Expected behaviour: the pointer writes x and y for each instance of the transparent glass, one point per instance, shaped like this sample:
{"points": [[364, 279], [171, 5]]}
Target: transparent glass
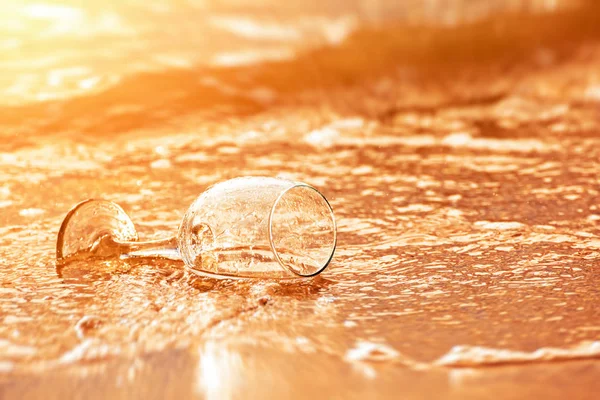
{"points": [[250, 227]]}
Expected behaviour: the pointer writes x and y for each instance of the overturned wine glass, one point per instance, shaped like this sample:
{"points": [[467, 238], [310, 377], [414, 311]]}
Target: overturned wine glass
{"points": [[249, 227]]}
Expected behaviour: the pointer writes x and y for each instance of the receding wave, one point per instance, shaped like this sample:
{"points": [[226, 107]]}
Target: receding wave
{"points": [[473, 356]]}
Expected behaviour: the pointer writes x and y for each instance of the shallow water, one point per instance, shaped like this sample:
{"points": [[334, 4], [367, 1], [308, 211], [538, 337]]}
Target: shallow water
{"points": [[460, 155]]}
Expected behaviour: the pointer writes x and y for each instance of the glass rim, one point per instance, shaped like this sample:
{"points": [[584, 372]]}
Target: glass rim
{"points": [[271, 241]]}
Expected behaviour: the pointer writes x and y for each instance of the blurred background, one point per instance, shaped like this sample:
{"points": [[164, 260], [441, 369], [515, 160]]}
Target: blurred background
{"points": [[56, 49], [172, 58]]}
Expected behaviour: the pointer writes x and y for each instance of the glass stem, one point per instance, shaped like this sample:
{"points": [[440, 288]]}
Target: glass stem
{"points": [[164, 248]]}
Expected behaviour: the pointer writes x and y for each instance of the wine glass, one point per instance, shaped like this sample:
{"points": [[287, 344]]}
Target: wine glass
{"points": [[249, 227]]}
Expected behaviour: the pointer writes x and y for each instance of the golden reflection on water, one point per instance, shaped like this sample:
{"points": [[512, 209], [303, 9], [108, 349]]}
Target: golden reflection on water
{"points": [[58, 49], [464, 178]]}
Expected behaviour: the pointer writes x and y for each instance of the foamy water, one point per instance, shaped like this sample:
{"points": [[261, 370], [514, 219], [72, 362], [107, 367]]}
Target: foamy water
{"points": [[473, 356]]}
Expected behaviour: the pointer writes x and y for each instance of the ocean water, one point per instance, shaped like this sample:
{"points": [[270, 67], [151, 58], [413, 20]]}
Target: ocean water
{"points": [[457, 142]]}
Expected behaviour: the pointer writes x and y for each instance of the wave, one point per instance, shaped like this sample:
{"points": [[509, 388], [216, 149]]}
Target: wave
{"points": [[473, 356]]}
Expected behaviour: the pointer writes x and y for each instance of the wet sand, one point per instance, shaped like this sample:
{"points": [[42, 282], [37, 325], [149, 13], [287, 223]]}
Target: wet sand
{"points": [[462, 163]]}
